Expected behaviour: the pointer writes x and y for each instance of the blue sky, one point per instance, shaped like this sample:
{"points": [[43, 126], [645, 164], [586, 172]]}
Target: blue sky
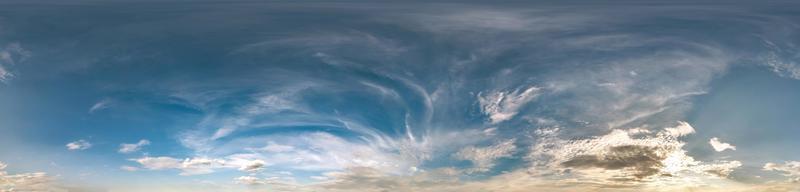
{"points": [[313, 96]]}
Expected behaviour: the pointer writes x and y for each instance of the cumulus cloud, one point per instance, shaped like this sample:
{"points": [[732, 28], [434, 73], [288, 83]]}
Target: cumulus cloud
{"points": [[483, 158], [276, 183], [37, 181], [621, 156], [133, 147], [158, 163], [789, 169], [188, 166], [252, 166], [503, 105], [79, 145], [248, 180], [644, 161], [198, 165], [720, 146], [682, 129]]}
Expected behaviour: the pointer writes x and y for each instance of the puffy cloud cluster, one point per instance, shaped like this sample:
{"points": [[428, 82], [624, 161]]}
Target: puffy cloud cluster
{"points": [[622, 156], [196, 166], [483, 158], [789, 169], [38, 181]]}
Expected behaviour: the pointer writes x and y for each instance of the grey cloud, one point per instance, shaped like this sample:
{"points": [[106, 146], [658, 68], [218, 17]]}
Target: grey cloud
{"points": [[644, 160]]}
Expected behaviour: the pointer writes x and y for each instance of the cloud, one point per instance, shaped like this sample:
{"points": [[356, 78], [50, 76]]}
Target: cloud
{"points": [[483, 158], [621, 156], [5, 75], [248, 180], [133, 147], [597, 100], [188, 166], [789, 169], [644, 161], [11, 55], [501, 106], [78, 145], [37, 181], [100, 105], [158, 163], [252, 166], [369, 179], [199, 165], [272, 147], [780, 59], [277, 183], [720, 146], [682, 129]]}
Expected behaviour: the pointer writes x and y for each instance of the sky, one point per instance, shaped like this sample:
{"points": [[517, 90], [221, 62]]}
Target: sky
{"points": [[125, 96]]}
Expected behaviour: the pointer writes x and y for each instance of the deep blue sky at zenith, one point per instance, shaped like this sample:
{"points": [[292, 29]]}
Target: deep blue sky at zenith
{"points": [[347, 96]]}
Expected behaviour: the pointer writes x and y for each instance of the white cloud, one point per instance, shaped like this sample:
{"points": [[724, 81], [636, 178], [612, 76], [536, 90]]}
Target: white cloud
{"points": [[682, 129], [5, 75], [188, 166], [248, 180], [501, 106], [789, 168], [782, 67], [622, 155], [199, 165], [159, 163], [272, 147], [720, 146], [78, 145], [100, 105], [133, 147], [37, 181], [483, 158], [11, 55], [252, 166]]}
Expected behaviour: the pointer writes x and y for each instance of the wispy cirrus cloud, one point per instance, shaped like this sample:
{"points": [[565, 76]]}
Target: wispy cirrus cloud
{"points": [[100, 105], [11, 55], [501, 106]]}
